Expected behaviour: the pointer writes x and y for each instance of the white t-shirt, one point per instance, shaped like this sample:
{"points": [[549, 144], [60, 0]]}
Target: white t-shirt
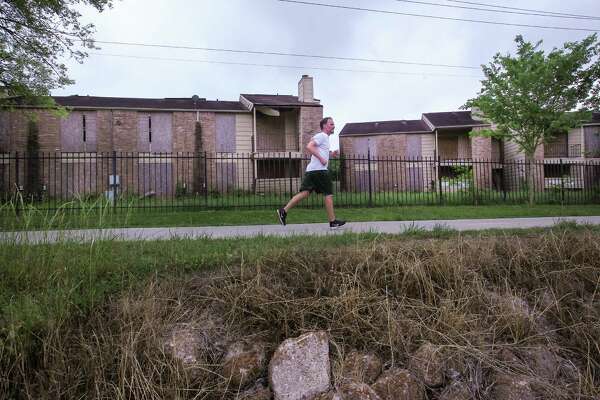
{"points": [[322, 141]]}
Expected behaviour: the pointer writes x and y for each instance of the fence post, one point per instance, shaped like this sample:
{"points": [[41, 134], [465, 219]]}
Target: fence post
{"points": [[562, 184], [503, 181], [205, 183], [114, 182], [369, 172], [17, 185], [439, 178], [290, 173]]}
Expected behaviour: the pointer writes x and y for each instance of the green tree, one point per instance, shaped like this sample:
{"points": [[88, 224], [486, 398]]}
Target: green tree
{"points": [[35, 35], [534, 95]]}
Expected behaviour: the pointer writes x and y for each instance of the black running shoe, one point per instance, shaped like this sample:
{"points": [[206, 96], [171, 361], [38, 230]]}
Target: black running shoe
{"points": [[282, 216], [336, 223]]}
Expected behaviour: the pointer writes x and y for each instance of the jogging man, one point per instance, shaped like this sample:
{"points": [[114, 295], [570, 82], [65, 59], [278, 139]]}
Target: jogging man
{"points": [[317, 177]]}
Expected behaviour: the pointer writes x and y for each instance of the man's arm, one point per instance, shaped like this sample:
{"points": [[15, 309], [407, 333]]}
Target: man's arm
{"points": [[314, 150]]}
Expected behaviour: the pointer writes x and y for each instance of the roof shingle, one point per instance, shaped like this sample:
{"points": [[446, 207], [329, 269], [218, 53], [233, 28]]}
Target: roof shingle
{"points": [[277, 100], [142, 103], [362, 128], [452, 119]]}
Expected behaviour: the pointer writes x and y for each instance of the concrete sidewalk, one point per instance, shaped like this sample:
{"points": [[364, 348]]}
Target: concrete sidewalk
{"points": [[388, 227]]}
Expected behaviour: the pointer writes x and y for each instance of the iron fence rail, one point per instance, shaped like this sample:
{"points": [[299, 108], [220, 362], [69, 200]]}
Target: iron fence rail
{"points": [[222, 180]]}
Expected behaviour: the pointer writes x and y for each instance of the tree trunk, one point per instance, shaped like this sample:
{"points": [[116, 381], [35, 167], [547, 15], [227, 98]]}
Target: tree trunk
{"points": [[530, 171]]}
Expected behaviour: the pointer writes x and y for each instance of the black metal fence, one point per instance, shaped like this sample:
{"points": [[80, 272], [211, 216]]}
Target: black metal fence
{"points": [[50, 181]]}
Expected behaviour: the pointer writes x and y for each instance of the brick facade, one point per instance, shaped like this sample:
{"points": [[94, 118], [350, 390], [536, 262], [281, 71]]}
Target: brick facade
{"points": [[309, 120], [481, 149]]}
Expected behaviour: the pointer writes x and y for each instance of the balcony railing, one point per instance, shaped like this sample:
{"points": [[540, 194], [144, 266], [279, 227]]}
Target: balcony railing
{"points": [[561, 150]]}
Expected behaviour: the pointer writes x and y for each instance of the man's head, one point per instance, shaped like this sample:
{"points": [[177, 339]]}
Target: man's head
{"points": [[327, 125]]}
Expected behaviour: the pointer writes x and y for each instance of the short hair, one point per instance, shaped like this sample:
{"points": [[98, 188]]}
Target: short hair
{"points": [[324, 121]]}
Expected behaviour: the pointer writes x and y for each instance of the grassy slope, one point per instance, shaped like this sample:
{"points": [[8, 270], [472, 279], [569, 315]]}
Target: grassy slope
{"points": [[157, 218]]}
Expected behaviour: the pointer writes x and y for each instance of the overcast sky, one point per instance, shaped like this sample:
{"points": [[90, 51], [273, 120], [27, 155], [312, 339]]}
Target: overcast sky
{"points": [[270, 25]]}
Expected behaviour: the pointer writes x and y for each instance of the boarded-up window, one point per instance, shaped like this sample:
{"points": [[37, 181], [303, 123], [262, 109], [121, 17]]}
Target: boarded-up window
{"points": [[156, 177], [362, 146], [78, 132], [373, 147], [270, 133], [226, 176], [413, 146], [592, 141], [155, 132], [225, 130], [415, 181], [448, 147]]}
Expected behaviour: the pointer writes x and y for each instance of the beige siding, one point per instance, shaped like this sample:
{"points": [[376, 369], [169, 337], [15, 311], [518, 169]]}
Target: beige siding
{"points": [[428, 145], [464, 146], [277, 185], [292, 134], [575, 136], [243, 132], [512, 152]]}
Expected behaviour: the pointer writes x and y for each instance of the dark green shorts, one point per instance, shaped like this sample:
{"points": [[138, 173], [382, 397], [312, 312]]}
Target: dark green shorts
{"points": [[317, 181]]}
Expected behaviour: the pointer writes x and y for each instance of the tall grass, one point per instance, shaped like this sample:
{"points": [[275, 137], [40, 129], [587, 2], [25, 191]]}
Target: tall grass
{"points": [[18, 214], [476, 297]]}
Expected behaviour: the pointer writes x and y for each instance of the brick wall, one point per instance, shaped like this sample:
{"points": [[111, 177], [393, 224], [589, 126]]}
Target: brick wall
{"points": [[125, 127], [309, 124], [104, 124], [481, 147]]}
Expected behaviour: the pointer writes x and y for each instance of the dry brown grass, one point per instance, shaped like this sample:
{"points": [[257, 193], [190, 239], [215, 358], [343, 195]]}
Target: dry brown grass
{"points": [[475, 297]]}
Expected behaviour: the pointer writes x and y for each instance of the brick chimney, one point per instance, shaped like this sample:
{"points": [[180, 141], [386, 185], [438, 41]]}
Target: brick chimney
{"points": [[305, 89]]}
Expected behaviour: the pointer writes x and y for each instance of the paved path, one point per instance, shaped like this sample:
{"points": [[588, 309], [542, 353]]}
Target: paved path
{"points": [[393, 227]]}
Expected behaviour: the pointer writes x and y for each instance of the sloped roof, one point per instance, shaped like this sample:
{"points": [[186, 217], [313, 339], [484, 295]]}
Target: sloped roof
{"points": [[402, 126], [452, 119], [145, 103], [277, 100]]}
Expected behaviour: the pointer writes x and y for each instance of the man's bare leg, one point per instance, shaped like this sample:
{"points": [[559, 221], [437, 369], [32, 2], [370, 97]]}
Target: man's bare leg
{"points": [[329, 207], [296, 199]]}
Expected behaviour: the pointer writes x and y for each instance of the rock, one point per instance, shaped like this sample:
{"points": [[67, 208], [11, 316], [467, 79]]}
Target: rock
{"points": [[243, 363], [509, 358], [257, 392], [456, 391], [195, 344], [300, 369], [398, 384], [331, 395], [185, 343], [569, 371], [427, 363], [361, 367], [357, 391], [511, 387], [543, 362]]}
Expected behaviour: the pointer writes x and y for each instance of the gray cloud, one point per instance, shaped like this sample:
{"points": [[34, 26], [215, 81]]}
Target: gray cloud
{"points": [[276, 26]]}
